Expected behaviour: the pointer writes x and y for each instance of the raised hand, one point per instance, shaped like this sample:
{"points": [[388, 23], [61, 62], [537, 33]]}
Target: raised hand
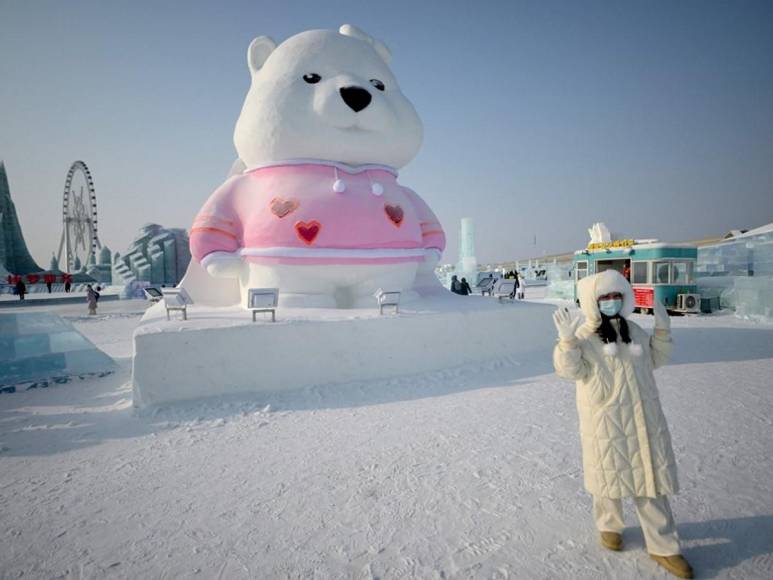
{"points": [[566, 323], [662, 321]]}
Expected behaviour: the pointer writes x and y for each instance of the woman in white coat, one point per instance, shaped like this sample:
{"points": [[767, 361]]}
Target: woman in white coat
{"points": [[626, 446]]}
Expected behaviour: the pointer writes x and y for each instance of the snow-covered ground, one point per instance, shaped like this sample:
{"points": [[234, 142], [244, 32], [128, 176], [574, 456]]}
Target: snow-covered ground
{"points": [[472, 472]]}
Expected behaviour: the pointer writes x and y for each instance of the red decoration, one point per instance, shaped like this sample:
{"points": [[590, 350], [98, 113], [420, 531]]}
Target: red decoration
{"points": [[308, 231], [283, 207], [394, 213], [33, 278]]}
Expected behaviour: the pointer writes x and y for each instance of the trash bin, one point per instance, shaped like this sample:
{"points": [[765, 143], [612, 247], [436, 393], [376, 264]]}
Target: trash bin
{"points": [[709, 304]]}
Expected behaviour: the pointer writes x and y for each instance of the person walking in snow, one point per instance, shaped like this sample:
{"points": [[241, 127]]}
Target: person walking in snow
{"points": [[91, 298], [517, 289], [516, 283], [626, 446], [456, 286], [465, 289], [21, 288]]}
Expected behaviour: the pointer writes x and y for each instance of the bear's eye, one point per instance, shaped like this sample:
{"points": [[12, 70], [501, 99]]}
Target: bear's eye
{"points": [[312, 78], [377, 83]]}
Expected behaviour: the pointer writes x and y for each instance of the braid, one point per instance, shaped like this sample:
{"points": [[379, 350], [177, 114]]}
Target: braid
{"points": [[607, 332], [625, 334]]}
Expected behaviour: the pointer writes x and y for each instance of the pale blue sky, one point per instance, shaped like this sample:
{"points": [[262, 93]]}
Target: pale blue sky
{"points": [[540, 117]]}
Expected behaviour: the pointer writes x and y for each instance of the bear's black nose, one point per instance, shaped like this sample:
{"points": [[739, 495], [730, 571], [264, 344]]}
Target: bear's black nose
{"points": [[356, 97]]}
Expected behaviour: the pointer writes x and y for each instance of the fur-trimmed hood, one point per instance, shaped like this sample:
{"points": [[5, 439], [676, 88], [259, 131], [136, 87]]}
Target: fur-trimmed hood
{"points": [[591, 287]]}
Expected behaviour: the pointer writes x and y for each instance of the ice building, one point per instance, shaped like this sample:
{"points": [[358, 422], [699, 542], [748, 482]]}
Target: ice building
{"points": [[741, 254], [740, 271], [14, 256], [101, 269], [39, 346], [157, 256]]}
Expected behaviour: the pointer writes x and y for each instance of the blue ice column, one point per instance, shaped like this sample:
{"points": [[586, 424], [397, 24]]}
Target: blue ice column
{"points": [[467, 267]]}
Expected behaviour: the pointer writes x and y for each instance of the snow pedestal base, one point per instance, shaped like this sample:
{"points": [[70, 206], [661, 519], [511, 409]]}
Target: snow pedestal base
{"points": [[220, 351]]}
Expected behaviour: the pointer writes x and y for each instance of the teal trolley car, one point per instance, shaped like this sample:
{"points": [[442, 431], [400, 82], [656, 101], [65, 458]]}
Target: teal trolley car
{"points": [[657, 271]]}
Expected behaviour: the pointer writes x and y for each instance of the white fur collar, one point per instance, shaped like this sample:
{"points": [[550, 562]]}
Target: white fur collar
{"points": [[611, 349]]}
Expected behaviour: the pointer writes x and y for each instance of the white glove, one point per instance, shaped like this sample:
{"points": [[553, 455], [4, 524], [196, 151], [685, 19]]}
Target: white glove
{"points": [[223, 265], [566, 323], [662, 321]]}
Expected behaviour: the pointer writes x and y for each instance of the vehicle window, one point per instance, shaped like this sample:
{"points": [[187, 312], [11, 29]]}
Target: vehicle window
{"points": [[581, 270], [640, 271], [661, 272], [679, 273]]}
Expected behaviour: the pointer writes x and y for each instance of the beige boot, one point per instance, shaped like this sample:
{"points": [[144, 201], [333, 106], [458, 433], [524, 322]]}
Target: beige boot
{"points": [[612, 541], [677, 565]]}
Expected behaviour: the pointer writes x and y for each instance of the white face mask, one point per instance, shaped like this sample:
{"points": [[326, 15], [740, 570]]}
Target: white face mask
{"points": [[610, 307]]}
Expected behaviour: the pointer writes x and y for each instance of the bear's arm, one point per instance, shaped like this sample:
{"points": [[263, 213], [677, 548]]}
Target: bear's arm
{"points": [[432, 232], [217, 227]]}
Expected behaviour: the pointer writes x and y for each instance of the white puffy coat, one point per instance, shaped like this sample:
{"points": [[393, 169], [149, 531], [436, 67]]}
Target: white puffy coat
{"points": [[626, 445]]}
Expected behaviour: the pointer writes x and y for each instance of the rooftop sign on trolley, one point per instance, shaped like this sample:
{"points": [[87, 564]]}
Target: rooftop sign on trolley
{"points": [[611, 245]]}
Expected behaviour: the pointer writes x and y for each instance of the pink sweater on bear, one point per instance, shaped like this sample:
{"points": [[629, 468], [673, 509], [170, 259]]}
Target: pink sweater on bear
{"points": [[316, 213]]}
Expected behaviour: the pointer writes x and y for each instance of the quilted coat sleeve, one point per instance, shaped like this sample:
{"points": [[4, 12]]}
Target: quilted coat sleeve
{"points": [[569, 362], [660, 348]]}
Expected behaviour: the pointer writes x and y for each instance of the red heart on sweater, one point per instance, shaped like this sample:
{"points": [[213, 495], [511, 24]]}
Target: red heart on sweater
{"points": [[308, 231], [394, 213], [283, 207]]}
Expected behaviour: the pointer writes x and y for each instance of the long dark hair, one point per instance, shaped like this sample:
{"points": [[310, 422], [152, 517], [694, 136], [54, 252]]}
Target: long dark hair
{"points": [[607, 332]]}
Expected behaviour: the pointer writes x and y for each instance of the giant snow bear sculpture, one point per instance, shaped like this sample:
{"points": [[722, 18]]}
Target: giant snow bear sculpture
{"points": [[313, 206]]}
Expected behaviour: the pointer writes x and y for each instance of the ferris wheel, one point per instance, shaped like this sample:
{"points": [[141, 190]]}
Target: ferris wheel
{"points": [[79, 219]]}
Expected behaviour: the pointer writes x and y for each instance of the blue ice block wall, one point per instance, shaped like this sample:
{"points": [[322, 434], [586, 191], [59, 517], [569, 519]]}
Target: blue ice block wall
{"points": [[39, 345], [741, 272], [747, 256]]}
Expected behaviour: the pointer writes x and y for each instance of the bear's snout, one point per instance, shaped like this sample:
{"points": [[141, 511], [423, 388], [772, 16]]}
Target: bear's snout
{"points": [[356, 97]]}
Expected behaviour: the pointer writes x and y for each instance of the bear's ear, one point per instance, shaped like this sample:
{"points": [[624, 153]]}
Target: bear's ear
{"points": [[378, 46], [259, 50]]}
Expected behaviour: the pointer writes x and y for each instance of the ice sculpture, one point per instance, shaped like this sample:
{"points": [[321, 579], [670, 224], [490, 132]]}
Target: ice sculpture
{"points": [[314, 206], [560, 280], [468, 263], [158, 255], [599, 233], [754, 297], [14, 256]]}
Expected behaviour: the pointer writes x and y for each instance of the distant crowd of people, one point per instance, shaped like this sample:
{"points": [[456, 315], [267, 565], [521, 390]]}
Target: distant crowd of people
{"points": [[20, 288], [462, 287], [92, 294]]}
